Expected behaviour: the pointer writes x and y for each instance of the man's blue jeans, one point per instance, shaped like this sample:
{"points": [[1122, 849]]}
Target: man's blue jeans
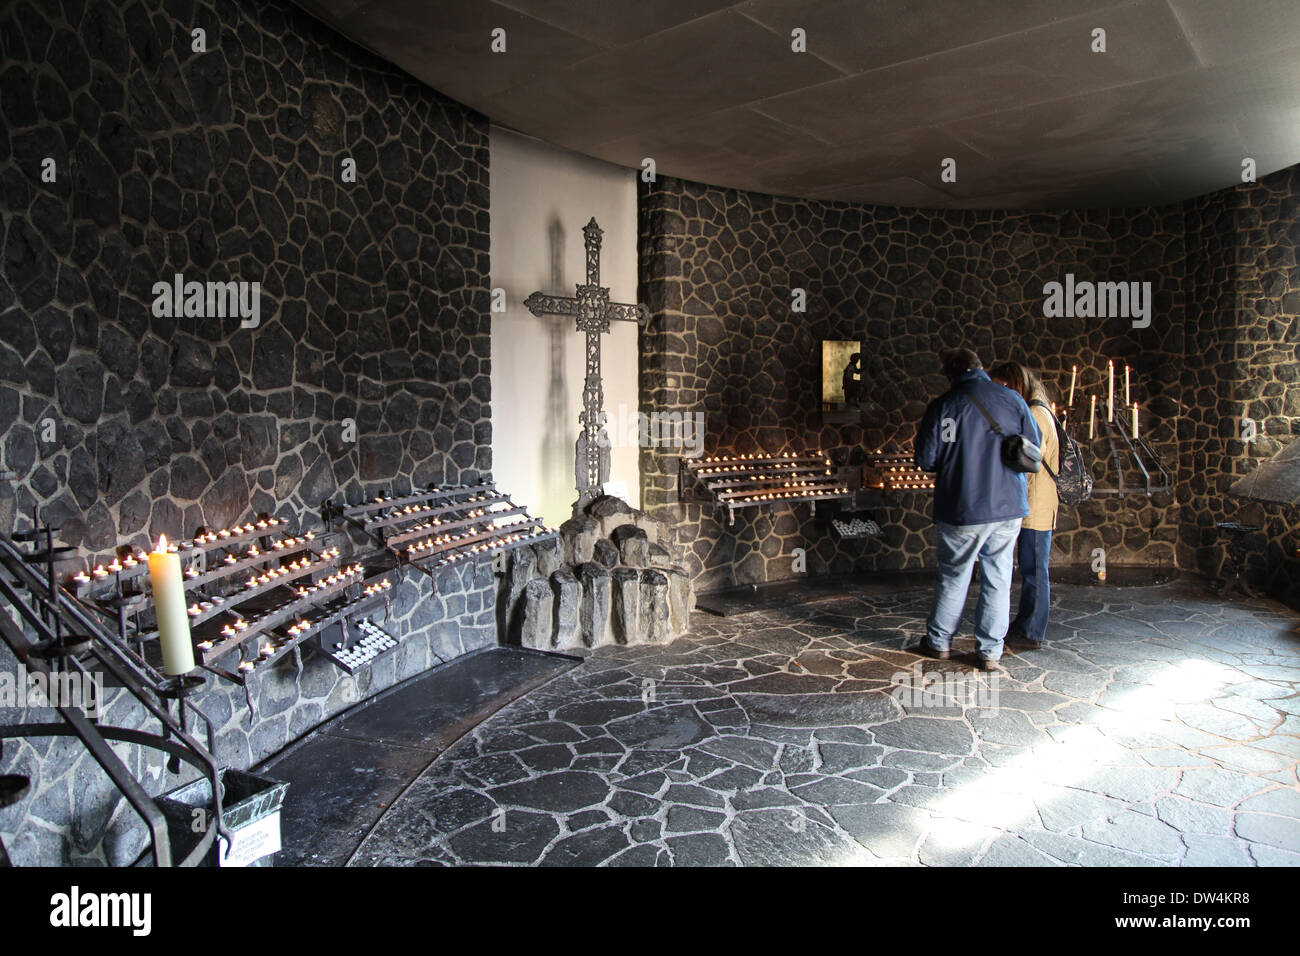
{"points": [[1035, 550], [994, 545]]}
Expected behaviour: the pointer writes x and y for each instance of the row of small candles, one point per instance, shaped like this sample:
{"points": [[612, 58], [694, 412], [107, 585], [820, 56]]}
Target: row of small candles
{"points": [[779, 495], [741, 458], [253, 551], [908, 478], [266, 577], [420, 509], [295, 631], [447, 542], [774, 471], [435, 523], [339, 577], [129, 561], [1110, 398], [302, 627]]}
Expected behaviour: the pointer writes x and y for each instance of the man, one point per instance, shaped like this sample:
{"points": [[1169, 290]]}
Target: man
{"points": [[978, 503]]}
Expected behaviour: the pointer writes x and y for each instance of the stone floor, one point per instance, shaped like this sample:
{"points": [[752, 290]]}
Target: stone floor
{"points": [[1158, 727]]}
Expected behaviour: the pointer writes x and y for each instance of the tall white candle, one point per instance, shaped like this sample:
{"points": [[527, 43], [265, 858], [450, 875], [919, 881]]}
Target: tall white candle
{"points": [[1110, 400], [1135, 419], [169, 605], [1092, 416], [1126, 398], [1074, 377]]}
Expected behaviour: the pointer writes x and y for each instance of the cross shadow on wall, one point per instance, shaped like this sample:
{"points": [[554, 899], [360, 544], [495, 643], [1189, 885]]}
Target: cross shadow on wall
{"points": [[556, 451]]}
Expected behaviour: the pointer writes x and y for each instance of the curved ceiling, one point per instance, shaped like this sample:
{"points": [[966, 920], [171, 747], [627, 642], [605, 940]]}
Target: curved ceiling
{"points": [[885, 92]]}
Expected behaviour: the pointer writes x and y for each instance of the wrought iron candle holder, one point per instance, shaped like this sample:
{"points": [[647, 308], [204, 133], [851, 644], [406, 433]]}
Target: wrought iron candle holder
{"points": [[896, 472], [437, 528], [255, 594], [51, 631], [1136, 466], [737, 482]]}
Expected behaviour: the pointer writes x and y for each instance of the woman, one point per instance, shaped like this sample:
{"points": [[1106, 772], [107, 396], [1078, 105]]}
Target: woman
{"points": [[1035, 545]]}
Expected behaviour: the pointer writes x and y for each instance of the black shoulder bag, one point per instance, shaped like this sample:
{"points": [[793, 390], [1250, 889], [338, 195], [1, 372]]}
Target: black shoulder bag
{"points": [[1018, 452]]}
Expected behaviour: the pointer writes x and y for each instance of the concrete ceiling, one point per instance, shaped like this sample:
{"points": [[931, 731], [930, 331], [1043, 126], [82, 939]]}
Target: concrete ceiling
{"points": [[1010, 89]]}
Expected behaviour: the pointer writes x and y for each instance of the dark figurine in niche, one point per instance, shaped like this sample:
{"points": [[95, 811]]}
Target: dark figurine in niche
{"points": [[851, 381]]}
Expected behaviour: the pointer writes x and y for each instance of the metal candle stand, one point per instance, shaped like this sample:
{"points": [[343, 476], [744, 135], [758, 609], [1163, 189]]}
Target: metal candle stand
{"points": [[738, 482], [1155, 478], [255, 594], [439, 527], [68, 637], [428, 530], [896, 473]]}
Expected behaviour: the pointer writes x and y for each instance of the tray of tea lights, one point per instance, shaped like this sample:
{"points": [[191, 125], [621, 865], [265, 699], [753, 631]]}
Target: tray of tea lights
{"points": [[897, 473], [356, 646], [439, 527], [753, 481], [254, 593]]}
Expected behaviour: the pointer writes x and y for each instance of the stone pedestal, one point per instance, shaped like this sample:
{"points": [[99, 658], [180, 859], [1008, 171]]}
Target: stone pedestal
{"points": [[613, 575]]}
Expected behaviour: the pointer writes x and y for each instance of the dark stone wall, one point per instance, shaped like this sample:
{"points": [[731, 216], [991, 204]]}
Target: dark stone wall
{"points": [[228, 165], [717, 268], [120, 425], [1243, 359]]}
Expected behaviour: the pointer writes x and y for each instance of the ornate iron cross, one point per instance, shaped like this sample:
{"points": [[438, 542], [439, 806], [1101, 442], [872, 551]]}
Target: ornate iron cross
{"points": [[594, 311]]}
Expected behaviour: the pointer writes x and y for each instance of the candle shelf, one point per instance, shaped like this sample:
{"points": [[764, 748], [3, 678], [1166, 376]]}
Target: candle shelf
{"points": [[438, 527], [897, 473], [254, 594], [752, 481]]}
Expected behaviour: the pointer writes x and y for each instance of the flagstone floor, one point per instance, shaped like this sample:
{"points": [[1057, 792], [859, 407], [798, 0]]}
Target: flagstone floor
{"points": [[1158, 726]]}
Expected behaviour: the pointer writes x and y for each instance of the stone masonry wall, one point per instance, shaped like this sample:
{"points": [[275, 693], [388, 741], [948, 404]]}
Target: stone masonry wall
{"points": [[368, 371], [1243, 359], [717, 270]]}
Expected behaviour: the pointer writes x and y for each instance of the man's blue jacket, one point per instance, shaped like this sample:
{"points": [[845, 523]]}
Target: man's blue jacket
{"points": [[973, 486]]}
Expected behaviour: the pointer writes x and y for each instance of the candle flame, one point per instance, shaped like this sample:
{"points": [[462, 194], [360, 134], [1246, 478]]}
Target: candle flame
{"points": [[162, 542]]}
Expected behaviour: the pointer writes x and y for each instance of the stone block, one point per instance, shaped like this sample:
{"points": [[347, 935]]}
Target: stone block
{"points": [[594, 613], [579, 535], [653, 614], [660, 557], [633, 546], [568, 599], [681, 599], [523, 568], [625, 605], [657, 531], [536, 615], [550, 556], [605, 554]]}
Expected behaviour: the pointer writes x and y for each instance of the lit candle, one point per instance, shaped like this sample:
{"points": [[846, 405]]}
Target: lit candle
{"points": [[1074, 377], [1110, 401], [1126, 398], [1135, 419], [1092, 416], [169, 606]]}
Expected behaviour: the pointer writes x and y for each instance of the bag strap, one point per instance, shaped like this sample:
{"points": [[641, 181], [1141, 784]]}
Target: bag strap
{"points": [[980, 405], [1042, 404]]}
